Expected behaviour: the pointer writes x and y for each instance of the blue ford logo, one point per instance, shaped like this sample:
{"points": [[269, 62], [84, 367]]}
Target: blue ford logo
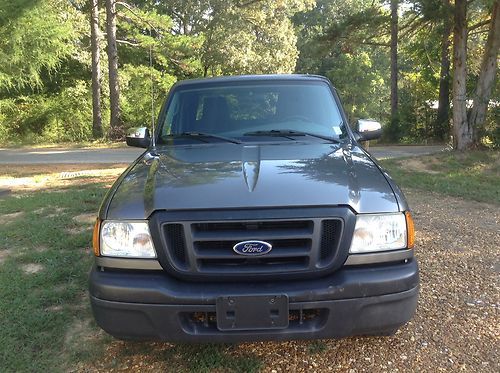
{"points": [[252, 248]]}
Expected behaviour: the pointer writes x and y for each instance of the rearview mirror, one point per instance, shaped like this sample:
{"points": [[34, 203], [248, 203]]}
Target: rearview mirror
{"points": [[139, 137], [367, 129]]}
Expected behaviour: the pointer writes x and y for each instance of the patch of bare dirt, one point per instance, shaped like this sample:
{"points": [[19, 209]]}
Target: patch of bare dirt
{"points": [[418, 165], [32, 268], [88, 218], [4, 254], [78, 230], [7, 218], [81, 332], [26, 178], [456, 327], [54, 168], [40, 249]]}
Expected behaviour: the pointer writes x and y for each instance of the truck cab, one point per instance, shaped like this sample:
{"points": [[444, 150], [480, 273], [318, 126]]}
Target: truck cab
{"points": [[253, 214]]}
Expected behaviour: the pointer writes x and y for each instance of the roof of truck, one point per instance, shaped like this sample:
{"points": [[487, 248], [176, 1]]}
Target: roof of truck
{"points": [[243, 78]]}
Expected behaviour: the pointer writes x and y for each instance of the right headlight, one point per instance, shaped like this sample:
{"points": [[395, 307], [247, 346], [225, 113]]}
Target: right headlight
{"points": [[382, 232], [127, 239]]}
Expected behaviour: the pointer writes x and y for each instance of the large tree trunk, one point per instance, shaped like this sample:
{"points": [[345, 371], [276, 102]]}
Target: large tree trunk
{"points": [[462, 131], [442, 124], [394, 69], [116, 130], [487, 75], [95, 37]]}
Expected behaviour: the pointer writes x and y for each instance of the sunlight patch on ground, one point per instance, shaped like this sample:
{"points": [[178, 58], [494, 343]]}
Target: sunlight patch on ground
{"points": [[32, 268], [7, 218], [88, 218], [4, 254], [30, 178], [418, 164]]}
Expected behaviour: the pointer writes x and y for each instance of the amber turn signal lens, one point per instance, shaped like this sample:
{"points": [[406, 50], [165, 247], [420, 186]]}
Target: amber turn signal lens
{"points": [[95, 237], [410, 228]]}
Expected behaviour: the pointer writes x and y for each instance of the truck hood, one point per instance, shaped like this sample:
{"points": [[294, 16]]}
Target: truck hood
{"points": [[225, 175]]}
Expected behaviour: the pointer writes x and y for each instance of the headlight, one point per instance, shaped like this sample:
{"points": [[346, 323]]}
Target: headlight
{"points": [[126, 239], [380, 232]]}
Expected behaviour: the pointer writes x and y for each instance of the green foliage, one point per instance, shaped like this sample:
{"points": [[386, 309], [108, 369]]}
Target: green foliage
{"points": [[34, 38], [64, 116], [45, 50], [136, 83], [254, 39], [340, 40]]}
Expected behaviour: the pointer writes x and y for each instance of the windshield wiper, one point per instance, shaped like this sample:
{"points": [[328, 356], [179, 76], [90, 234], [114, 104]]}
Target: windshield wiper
{"points": [[203, 134], [286, 133]]}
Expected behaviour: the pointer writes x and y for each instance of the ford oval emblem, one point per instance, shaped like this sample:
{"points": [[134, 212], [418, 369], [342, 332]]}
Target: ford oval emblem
{"points": [[252, 248]]}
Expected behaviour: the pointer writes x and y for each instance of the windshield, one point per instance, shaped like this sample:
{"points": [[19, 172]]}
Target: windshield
{"points": [[245, 110]]}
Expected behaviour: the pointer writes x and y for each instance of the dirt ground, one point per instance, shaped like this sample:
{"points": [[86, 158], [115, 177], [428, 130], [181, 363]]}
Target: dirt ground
{"points": [[26, 178], [456, 327]]}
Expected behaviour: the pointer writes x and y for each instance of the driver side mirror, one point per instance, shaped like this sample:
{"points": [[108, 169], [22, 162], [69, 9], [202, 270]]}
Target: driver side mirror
{"points": [[367, 129], [139, 137]]}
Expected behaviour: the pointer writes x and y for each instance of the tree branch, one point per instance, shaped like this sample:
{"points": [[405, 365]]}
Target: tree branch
{"points": [[479, 24], [132, 44], [248, 3]]}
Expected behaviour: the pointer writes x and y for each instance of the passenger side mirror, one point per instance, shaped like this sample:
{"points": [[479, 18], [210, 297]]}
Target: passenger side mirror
{"points": [[139, 137], [367, 129]]}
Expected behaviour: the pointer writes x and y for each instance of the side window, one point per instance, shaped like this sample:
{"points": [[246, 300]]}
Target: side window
{"points": [[172, 116]]}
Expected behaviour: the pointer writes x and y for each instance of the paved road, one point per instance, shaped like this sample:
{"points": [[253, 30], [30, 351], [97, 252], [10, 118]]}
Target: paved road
{"points": [[127, 155]]}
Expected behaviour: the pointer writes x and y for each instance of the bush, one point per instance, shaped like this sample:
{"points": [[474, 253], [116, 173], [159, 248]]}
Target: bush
{"points": [[65, 116]]}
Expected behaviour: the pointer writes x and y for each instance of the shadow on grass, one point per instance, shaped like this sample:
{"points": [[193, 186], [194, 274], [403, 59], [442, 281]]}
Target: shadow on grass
{"points": [[44, 312]]}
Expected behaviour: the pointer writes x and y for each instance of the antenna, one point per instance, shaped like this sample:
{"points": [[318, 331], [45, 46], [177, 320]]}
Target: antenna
{"points": [[153, 143], [151, 27]]}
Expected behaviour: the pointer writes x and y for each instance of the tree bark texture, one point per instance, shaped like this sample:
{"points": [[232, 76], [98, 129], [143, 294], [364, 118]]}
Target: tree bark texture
{"points": [[394, 61], [116, 130], [487, 75], [462, 131], [442, 124], [95, 37]]}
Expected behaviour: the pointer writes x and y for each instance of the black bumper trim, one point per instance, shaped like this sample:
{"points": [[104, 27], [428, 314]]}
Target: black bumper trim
{"points": [[340, 318], [160, 288]]}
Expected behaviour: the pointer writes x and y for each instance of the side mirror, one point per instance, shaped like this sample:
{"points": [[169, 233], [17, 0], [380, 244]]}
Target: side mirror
{"points": [[139, 137], [367, 129]]}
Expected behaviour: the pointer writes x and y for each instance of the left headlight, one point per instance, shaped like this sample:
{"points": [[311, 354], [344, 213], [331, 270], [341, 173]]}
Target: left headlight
{"points": [[126, 239], [379, 232]]}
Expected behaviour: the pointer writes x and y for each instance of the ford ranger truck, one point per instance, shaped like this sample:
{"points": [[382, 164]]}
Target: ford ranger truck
{"points": [[253, 214]]}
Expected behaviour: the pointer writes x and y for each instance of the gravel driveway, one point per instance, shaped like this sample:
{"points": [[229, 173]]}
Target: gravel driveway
{"points": [[456, 327]]}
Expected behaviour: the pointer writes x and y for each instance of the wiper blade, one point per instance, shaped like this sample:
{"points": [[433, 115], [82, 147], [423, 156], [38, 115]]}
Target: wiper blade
{"points": [[203, 134], [286, 133]]}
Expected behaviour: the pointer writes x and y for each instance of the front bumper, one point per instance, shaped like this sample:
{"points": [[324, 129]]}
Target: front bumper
{"points": [[352, 301]]}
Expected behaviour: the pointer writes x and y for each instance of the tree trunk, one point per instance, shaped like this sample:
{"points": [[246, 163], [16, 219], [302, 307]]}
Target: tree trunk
{"points": [[442, 124], [116, 130], [95, 37], [487, 75], [394, 69], [462, 131]]}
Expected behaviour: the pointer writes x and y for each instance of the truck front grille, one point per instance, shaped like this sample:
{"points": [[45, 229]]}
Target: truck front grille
{"points": [[205, 248]]}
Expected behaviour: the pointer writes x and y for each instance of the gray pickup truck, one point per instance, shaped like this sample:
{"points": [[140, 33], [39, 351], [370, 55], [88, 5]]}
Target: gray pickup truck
{"points": [[253, 214]]}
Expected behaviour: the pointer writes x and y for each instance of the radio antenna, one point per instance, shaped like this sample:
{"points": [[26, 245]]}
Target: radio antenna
{"points": [[153, 142]]}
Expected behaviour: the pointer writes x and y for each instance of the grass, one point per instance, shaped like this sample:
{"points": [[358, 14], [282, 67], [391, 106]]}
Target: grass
{"points": [[43, 275], [472, 175], [45, 318]]}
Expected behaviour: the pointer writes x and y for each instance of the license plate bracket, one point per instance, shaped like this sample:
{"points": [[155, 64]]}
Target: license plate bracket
{"points": [[252, 312]]}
